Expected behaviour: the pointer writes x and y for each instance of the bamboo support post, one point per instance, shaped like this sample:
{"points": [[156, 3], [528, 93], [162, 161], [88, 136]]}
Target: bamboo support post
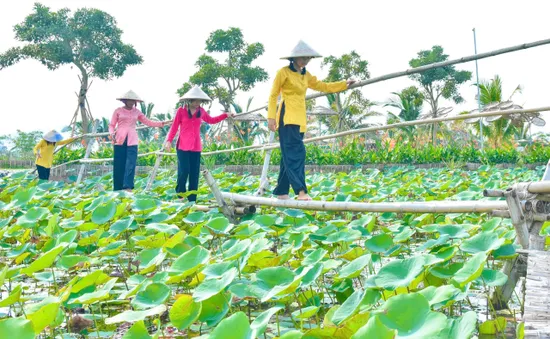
{"points": [[518, 218], [527, 232], [514, 269], [263, 178], [536, 241], [218, 195], [156, 167], [546, 176], [87, 155]]}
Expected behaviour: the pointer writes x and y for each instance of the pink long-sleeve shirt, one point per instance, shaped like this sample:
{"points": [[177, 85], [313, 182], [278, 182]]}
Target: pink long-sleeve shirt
{"points": [[123, 124], [190, 128]]}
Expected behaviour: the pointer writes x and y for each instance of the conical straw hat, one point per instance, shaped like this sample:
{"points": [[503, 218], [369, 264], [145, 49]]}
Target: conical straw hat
{"points": [[302, 50], [53, 136], [195, 93], [130, 95]]}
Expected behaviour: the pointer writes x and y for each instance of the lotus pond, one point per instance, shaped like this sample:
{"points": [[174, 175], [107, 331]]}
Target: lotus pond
{"points": [[82, 262]]}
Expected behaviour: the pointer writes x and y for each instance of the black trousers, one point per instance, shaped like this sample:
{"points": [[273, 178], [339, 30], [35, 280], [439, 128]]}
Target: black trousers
{"points": [[43, 172], [189, 166], [124, 166], [293, 158]]}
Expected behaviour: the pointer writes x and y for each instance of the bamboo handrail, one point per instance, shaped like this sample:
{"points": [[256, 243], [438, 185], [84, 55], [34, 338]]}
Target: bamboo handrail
{"points": [[539, 187], [426, 68], [266, 147]]}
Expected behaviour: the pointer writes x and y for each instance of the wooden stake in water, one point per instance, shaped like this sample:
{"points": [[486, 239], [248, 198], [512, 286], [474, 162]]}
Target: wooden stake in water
{"points": [[263, 179], [156, 167], [87, 155]]}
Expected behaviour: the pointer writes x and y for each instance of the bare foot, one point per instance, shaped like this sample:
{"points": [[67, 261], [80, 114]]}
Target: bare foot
{"points": [[304, 197], [283, 197]]}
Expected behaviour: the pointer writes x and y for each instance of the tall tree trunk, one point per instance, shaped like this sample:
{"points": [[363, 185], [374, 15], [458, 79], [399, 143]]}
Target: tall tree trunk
{"points": [[82, 98], [434, 126]]}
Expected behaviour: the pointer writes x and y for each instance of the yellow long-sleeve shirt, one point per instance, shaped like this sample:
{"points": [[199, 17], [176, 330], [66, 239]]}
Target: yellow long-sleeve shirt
{"points": [[46, 151], [293, 86]]}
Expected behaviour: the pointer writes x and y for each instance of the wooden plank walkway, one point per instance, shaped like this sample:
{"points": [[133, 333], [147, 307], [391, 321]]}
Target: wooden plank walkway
{"points": [[537, 296]]}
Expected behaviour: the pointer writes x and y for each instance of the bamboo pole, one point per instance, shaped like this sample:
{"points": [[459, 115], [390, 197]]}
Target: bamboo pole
{"points": [[67, 163], [398, 207], [87, 155], [518, 218], [539, 187], [546, 175], [218, 195], [245, 210], [263, 178], [106, 134], [427, 68], [202, 208], [89, 161], [271, 146], [156, 167], [418, 122]]}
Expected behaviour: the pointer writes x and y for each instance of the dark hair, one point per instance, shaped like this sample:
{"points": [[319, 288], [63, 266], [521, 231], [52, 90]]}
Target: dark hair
{"points": [[191, 115], [124, 101], [49, 142], [291, 65]]}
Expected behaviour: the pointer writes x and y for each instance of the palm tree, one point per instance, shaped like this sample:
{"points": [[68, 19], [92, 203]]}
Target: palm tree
{"points": [[248, 130], [102, 126], [502, 130], [409, 103], [354, 111], [163, 131], [146, 134]]}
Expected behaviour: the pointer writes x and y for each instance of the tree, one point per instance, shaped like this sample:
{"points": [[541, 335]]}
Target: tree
{"points": [[441, 82], [22, 143], [147, 133], [163, 131], [501, 130], [353, 108], [249, 130], [102, 126], [88, 39], [222, 80], [409, 103]]}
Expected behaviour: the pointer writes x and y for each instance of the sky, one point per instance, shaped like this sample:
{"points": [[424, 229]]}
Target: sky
{"points": [[170, 35]]}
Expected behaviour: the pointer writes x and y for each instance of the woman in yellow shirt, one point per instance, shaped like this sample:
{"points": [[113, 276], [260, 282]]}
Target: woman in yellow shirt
{"points": [[289, 117], [44, 152]]}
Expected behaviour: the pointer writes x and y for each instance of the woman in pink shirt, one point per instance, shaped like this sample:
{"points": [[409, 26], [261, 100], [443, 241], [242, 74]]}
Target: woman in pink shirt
{"points": [[125, 140], [189, 146]]}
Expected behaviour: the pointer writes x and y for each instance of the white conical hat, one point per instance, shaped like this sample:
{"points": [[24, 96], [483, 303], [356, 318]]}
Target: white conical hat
{"points": [[302, 50], [130, 95], [53, 136], [195, 93]]}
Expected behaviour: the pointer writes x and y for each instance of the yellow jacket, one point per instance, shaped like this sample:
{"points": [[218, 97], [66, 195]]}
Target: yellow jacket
{"points": [[293, 86], [46, 151]]}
